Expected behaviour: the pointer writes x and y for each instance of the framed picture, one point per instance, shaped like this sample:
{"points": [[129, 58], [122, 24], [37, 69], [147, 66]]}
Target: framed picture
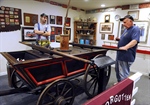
{"points": [[57, 37], [52, 19], [102, 36], [30, 19], [28, 34], [58, 30], [107, 18], [68, 31], [53, 30], [134, 14], [52, 38], [59, 20], [143, 25], [106, 27], [110, 37], [67, 21]]}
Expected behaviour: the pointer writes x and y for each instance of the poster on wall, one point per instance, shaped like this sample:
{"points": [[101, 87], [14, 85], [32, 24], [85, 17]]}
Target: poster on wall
{"points": [[30, 19], [10, 19]]}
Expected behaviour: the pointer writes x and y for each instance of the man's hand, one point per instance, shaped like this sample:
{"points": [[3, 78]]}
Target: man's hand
{"points": [[123, 48]]}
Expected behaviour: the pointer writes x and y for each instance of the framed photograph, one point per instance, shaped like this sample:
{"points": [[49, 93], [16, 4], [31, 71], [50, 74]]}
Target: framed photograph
{"points": [[107, 18], [106, 28], [134, 14], [143, 25], [28, 34]]}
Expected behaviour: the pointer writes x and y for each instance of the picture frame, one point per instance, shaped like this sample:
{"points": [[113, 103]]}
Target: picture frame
{"points": [[58, 30], [28, 34], [68, 31], [102, 36], [67, 24], [52, 19], [110, 37], [106, 28], [142, 24], [59, 20], [107, 18], [134, 14], [30, 19]]}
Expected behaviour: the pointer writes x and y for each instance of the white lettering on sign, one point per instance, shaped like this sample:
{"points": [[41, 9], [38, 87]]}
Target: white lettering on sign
{"points": [[118, 98]]}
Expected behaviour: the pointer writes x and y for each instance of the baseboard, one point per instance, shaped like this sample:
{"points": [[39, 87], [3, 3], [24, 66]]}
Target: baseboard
{"points": [[3, 73]]}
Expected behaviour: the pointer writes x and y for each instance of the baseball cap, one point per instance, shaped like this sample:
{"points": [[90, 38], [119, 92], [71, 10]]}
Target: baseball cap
{"points": [[127, 16], [43, 15]]}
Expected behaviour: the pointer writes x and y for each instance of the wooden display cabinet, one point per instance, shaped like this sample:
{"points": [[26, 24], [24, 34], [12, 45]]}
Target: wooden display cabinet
{"points": [[85, 32]]}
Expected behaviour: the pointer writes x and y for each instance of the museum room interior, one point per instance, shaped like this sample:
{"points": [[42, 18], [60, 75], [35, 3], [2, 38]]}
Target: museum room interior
{"points": [[89, 24]]}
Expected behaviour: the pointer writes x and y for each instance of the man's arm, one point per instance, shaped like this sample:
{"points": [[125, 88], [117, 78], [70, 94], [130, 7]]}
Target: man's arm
{"points": [[42, 33], [129, 45]]}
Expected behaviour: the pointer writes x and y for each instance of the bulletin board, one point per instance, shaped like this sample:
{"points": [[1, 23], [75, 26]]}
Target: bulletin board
{"points": [[10, 19]]}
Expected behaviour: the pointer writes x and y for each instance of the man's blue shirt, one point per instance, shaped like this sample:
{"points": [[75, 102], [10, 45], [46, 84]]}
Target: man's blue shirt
{"points": [[133, 33]]}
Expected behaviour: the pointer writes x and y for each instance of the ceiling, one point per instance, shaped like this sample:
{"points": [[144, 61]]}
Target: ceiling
{"points": [[94, 4]]}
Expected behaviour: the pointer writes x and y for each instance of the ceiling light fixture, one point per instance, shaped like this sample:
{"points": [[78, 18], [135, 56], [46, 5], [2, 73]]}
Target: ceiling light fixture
{"points": [[102, 5]]}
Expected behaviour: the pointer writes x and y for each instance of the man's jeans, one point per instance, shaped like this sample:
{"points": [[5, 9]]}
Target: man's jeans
{"points": [[122, 69]]}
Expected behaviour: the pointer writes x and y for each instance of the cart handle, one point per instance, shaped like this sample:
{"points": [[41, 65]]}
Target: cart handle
{"points": [[95, 47], [46, 50]]}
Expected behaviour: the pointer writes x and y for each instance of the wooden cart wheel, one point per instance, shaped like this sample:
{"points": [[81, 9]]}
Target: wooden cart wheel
{"points": [[91, 79], [59, 92], [16, 82]]}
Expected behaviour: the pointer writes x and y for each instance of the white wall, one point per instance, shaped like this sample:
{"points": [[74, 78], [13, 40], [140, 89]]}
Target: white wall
{"points": [[9, 41]]}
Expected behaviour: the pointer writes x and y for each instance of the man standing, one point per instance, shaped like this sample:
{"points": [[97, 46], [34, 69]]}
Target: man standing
{"points": [[42, 31], [128, 42]]}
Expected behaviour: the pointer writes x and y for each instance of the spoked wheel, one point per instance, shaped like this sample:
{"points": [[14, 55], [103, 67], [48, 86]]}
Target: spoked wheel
{"points": [[59, 92], [91, 81], [16, 82]]}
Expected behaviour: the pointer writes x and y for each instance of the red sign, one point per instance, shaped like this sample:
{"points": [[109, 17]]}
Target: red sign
{"points": [[120, 94]]}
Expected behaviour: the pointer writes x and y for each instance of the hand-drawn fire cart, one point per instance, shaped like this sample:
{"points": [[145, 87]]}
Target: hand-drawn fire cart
{"points": [[52, 73]]}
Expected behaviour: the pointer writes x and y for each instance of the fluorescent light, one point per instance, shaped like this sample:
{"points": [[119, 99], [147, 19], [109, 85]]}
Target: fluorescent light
{"points": [[102, 5]]}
